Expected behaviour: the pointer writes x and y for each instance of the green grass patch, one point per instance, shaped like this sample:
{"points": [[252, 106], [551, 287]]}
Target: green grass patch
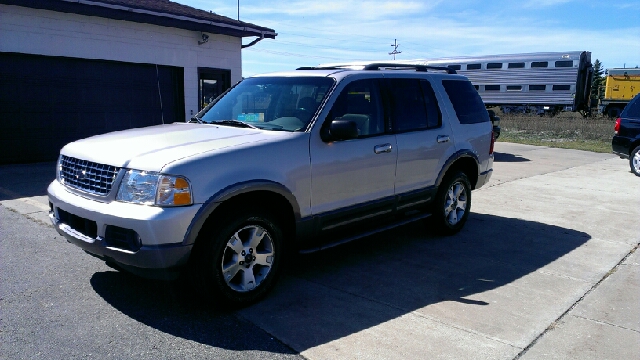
{"points": [[566, 130]]}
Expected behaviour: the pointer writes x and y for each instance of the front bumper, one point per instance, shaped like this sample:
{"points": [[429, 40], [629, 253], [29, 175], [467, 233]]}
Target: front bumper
{"points": [[159, 232]]}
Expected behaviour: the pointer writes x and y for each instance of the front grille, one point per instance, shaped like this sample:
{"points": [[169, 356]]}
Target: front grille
{"points": [[87, 176]]}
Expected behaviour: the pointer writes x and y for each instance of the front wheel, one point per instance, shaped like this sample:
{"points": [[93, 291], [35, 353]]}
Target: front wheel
{"points": [[237, 262], [452, 204], [634, 161]]}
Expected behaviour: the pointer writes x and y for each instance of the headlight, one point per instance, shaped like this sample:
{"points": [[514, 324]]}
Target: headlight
{"points": [[150, 188]]}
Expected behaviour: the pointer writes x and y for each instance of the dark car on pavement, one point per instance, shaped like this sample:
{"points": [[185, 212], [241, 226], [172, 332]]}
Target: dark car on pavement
{"points": [[626, 141]]}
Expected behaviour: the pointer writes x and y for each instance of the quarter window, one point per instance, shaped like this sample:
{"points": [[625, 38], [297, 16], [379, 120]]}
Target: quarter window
{"points": [[466, 102]]}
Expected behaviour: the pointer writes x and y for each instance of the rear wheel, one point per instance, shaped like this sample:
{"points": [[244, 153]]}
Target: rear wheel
{"points": [[452, 204], [238, 261], [634, 161]]}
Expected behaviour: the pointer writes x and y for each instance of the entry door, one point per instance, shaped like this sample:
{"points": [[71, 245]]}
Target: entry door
{"points": [[212, 83], [349, 175]]}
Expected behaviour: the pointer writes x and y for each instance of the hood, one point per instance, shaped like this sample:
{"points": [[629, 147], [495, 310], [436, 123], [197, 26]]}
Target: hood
{"points": [[151, 148]]}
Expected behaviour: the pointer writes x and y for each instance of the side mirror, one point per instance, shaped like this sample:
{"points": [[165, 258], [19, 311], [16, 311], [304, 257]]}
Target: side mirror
{"points": [[340, 130]]}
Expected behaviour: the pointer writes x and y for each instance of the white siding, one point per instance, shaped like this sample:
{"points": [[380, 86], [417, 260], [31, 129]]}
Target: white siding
{"points": [[44, 32]]}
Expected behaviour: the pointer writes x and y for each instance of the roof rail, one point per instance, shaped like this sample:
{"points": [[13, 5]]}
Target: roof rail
{"points": [[377, 66]]}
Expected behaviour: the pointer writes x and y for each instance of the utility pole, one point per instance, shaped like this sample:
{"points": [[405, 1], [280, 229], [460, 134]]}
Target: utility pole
{"points": [[238, 10], [395, 48]]}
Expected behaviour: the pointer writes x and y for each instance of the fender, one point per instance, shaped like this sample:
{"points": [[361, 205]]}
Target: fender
{"points": [[465, 153], [209, 206]]}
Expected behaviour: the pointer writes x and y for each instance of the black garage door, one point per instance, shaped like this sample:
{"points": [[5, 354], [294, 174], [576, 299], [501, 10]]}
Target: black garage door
{"points": [[46, 102]]}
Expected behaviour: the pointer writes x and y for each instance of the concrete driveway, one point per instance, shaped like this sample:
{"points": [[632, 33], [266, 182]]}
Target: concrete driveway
{"points": [[546, 267]]}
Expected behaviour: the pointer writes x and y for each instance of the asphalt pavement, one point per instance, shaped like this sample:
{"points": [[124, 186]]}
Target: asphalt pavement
{"points": [[546, 267]]}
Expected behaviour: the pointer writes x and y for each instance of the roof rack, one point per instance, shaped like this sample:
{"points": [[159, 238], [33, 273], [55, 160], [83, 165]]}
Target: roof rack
{"points": [[377, 66]]}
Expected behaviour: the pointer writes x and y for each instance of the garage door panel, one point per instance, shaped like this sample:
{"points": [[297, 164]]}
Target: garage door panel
{"points": [[66, 99]]}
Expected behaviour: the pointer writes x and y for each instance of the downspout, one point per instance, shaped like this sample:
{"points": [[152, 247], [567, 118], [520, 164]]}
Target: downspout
{"points": [[254, 41]]}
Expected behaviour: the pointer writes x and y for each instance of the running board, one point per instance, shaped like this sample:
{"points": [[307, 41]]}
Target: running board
{"points": [[394, 225]]}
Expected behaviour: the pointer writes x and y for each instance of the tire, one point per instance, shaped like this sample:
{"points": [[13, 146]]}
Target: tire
{"points": [[237, 262], [634, 161], [452, 204]]}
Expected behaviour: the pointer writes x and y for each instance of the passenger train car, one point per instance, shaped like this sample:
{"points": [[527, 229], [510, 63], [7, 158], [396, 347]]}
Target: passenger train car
{"points": [[545, 82]]}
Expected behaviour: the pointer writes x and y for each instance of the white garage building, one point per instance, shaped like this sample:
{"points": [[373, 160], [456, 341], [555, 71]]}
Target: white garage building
{"points": [[75, 68]]}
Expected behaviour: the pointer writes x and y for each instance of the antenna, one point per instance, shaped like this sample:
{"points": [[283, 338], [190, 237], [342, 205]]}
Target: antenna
{"points": [[395, 49]]}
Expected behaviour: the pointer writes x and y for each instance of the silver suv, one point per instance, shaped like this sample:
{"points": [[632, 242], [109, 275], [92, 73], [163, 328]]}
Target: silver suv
{"points": [[301, 160]]}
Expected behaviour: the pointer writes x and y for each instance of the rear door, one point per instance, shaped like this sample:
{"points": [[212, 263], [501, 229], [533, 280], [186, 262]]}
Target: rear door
{"points": [[423, 141]]}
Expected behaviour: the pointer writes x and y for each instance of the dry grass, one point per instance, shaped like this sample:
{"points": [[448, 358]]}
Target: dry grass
{"points": [[565, 130]]}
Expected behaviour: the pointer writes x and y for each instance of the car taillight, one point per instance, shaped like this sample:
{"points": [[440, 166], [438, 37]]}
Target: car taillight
{"points": [[493, 141], [616, 127]]}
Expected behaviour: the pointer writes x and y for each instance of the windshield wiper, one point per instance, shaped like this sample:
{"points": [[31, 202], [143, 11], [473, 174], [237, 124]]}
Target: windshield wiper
{"points": [[236, 123], [196, 119]]}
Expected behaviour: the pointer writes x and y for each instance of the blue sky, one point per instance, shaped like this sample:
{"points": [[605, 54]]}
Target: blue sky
{"points": [[324, 31]]}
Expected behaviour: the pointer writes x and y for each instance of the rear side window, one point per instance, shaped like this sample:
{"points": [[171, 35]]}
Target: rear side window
{"points": [[407, 105], [466, 102], [632, 110]]}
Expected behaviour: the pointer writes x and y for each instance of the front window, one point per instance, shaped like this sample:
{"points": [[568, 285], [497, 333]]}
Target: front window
{"points": [[271, 103]]}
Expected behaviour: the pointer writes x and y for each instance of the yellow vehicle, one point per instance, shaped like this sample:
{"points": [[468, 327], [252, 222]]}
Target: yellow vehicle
{"points": [[622, 85]]}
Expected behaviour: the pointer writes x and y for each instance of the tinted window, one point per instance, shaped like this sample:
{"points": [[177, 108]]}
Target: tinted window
{"points": [[359, 102], [466, 102], [407, 105], [539, 64], [516, 65], [494, 66], [434, 117], [473, 66], [561, 87], [537, 87], [632, 109], [564, 63], [514, 88], [492, 87]]}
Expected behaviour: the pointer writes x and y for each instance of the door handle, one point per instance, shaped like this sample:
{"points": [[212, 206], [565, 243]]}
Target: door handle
{"points": [[443, 138], [379, 149]]}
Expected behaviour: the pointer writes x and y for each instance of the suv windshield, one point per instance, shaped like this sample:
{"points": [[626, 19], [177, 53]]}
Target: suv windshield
{"points": [[271, 103]]}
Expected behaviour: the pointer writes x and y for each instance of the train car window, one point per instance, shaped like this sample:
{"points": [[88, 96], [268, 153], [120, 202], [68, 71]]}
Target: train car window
{"points": [[538, 64], [474, 66], [477, 87], [494, 66], [564, 63], [516, 65], [537, 87], [514, 87], [561, 87], [455, 67], [492, 87]]}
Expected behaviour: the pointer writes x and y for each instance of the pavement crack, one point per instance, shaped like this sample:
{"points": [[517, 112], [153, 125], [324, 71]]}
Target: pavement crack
{"points": [[605, 323], [564, 314]]}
